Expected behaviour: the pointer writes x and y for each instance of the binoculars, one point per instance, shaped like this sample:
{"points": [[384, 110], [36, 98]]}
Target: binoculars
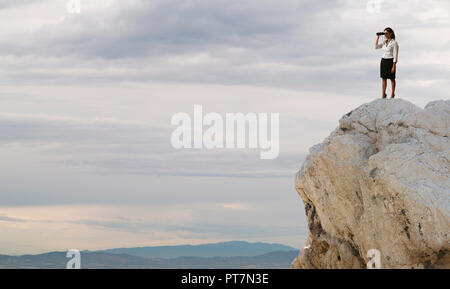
{"points": [[381, 33]]}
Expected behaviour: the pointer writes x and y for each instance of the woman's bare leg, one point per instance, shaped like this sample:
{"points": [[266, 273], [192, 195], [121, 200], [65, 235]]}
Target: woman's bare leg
{"points": [[393, 88], [383, 87]]}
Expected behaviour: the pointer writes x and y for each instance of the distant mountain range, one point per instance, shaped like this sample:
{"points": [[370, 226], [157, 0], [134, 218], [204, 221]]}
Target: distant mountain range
{"points": [[223, 249], [183, 257]]}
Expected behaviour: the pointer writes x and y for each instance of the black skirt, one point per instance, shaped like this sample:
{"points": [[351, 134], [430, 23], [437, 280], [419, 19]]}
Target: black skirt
{"points": [[386, 68]]}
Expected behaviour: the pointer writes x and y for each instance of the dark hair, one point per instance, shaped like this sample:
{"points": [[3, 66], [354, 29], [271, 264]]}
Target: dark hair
{"points": [[389, 29]]}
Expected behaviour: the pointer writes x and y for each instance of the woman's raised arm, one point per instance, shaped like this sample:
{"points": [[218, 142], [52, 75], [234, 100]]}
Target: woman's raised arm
{"points": [[378, 46]]}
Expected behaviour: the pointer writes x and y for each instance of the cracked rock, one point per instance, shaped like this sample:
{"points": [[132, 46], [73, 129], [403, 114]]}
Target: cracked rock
{"points": [[381, 180]]}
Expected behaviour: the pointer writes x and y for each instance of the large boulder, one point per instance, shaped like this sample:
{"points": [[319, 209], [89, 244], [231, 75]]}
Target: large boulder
{"points": [[381, 180]]}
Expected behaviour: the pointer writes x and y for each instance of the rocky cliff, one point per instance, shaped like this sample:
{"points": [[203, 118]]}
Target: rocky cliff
{"points": [[381, 180]]}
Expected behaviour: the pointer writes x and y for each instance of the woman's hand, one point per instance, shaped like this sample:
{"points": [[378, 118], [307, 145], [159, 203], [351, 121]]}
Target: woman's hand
{"points": [[393, 68]]}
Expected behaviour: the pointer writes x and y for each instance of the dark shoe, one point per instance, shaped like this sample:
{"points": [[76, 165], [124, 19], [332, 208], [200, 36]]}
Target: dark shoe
{"points": [[393, 96], [384, 95]]}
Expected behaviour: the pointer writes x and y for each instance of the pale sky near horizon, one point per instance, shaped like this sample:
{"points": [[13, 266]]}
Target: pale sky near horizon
{"points": [[86, 101]]}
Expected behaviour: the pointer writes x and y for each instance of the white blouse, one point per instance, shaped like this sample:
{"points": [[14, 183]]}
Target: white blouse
{"points": [[390, 50]]}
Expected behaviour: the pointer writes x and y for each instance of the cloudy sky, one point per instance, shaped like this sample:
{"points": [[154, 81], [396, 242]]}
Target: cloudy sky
{"points": [[86, 101]]}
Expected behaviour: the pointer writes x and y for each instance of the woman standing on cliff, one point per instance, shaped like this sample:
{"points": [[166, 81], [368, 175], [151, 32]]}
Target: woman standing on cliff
{"points": [[388, 65]]}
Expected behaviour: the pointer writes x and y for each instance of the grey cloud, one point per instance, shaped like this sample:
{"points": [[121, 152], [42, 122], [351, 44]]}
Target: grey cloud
{"points": [[192, 163], [5, 218], [120, 147], [173, 26], [51, 129], [295, 44], [12, 3], [27, 98], [199, 229], [120, 225]]}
